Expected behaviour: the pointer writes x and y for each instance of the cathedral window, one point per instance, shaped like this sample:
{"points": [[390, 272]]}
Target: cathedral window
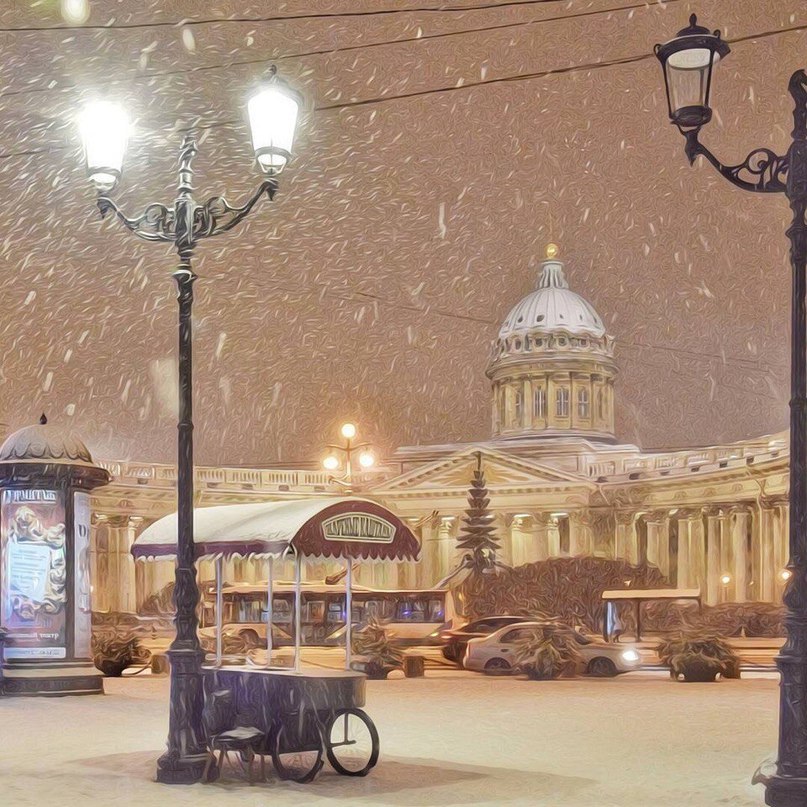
{"points": [[539, 402], [518, 405], [582, 403], [562, 402]]}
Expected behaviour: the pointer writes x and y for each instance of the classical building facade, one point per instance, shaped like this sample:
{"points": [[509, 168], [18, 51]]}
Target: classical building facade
{"points": [[559, 483]]}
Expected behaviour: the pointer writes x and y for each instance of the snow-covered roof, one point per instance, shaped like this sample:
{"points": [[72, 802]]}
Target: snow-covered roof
{"points": [[326, 527], [552, 306]]}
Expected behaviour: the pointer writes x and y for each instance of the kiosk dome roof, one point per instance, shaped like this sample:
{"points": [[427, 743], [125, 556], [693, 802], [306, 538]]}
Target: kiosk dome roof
{"points": [[44, 443]]}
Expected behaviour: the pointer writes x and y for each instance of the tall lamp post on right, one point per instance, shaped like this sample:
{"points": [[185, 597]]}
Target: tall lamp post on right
{"points": [[688, 61]]}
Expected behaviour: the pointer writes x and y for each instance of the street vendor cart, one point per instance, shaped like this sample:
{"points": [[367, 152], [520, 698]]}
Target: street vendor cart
{"points": [[296, 715]]}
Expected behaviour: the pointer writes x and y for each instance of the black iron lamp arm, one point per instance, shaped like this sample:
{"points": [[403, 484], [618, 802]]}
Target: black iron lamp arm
{"points": [[762, 171], [217, 215], [156, 223]]}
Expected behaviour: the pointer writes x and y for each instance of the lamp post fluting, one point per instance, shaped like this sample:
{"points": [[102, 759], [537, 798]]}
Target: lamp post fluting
{"points": [[273, 114], [688, 61]]}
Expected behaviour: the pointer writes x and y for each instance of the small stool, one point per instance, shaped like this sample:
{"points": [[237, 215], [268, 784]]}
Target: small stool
{"points": [[243, 740], [223, 735]]}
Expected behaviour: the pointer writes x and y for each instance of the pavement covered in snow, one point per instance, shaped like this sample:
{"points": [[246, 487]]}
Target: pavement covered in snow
{"points": [[453, 738]]}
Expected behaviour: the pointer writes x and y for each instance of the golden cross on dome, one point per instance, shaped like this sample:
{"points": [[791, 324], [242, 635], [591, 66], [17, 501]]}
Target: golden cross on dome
{"points": [[552, 251]]}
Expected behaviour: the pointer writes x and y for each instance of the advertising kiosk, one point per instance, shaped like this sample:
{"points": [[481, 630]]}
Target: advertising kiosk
{"points": [[45, 614]]}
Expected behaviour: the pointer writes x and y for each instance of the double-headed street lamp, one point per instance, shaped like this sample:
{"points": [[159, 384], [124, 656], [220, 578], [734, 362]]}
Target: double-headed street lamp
{"points": [[104, 128], [332, 462], [688, 61]]}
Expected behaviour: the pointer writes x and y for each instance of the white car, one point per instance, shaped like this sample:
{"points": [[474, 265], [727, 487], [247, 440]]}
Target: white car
{"points": [[494, 654]]}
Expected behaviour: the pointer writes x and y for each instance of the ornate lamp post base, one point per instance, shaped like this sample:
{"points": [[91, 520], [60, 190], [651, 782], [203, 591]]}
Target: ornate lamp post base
{"points": [[184, 761], [782, 791]]}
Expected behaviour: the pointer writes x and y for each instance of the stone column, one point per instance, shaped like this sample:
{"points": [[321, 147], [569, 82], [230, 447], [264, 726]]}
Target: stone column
{"points": [[521, 541], [99, 562], [713, 544], [428, 571], [126, 566], [765, 570], [541, 535], [553, 537], [626, 539], [741, 522], [504, 527], [580, 541], [446, 546], [781, 541], [691, 554], [658, 540]]}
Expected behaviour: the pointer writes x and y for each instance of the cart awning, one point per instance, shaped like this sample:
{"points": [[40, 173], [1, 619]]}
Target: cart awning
{"points": [[320, 528]]}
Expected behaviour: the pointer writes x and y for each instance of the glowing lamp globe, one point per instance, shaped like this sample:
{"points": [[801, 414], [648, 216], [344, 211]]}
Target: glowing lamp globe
{"points": [[330, 463], [273, 111], [104, 128], [687, 62], [348, 431], [366, 459]]}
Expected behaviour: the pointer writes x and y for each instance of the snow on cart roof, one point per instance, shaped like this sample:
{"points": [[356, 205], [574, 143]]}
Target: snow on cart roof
{"points": [[652, 594], [322, 528]]}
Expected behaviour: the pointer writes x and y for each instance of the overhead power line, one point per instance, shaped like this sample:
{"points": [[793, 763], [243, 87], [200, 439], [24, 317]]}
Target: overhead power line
{"points": [[335, 50], [574, 68], [328, 15]]}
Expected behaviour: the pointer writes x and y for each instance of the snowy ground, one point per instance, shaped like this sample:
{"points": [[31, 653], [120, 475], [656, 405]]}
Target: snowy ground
{"points": [[454, 738]]}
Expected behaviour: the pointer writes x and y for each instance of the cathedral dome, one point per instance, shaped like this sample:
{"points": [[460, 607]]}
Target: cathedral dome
{"points": [[551, 307], [44, 443], [552, 366]]}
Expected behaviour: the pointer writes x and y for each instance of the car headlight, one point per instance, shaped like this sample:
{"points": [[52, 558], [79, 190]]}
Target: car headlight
{"points": [[630, 655]]}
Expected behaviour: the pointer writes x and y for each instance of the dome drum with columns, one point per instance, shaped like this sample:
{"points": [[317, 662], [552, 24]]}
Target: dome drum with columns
{"points": [[553, 365]]}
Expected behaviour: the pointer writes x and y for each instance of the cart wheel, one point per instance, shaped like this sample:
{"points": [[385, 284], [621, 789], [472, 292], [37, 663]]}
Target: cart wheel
{"points": [[300, 764], [351, 742]]}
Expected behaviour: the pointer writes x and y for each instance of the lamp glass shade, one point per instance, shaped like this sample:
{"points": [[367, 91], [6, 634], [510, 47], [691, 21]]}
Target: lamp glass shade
{"points": [[273, 114], [330, 463], [348, 431], [366, 459], [104, 128], [688, 62]]}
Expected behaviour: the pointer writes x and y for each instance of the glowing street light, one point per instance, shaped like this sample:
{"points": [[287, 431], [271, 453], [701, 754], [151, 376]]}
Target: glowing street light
{"points": [[332, 461], [104, 128], [688, 61], [183, 223]]}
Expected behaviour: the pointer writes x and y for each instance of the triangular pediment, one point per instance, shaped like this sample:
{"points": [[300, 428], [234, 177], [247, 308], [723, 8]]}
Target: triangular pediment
{"points": [[501, 472]]}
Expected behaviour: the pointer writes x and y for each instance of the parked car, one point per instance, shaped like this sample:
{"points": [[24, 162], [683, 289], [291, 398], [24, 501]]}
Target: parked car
{"points": [[455, 640], [493, 654]]}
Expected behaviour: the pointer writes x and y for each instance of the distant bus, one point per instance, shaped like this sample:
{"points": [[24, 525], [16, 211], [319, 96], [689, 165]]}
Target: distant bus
{"points": [[412, 617]]}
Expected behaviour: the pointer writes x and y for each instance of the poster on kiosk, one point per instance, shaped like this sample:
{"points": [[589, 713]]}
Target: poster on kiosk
{"points": [[33, 594]]}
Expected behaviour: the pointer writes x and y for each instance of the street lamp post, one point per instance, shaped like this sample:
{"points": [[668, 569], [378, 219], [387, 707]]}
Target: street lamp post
{"points": [[688, 61], [333, 463], [273, 116]]}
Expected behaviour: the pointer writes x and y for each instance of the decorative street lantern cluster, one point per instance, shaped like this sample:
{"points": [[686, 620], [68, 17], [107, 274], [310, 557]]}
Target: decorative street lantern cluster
{"points": [[273, 112], [332, 462], [688, 61]]}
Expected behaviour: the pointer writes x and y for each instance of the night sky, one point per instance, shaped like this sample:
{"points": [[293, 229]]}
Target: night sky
{"points": [[441, 149]]}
